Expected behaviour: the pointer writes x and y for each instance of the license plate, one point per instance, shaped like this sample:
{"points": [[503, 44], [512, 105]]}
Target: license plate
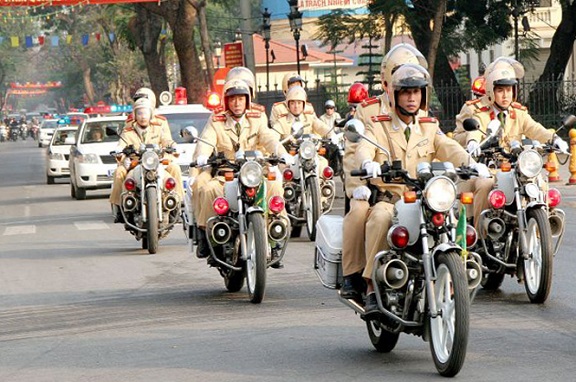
{"points": [[111, 172]]}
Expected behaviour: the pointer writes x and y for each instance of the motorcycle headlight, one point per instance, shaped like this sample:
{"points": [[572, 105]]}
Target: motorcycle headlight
{"points": [[150, 160], [530, 163], [307, 150], [440, 194], [251, 174]]}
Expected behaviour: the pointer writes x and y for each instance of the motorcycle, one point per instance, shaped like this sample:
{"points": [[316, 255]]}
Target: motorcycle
{"points": [[522, 230], [334, 152], [14, 133], [3, 133], [248, 234], [23, 130], [150, 204], [307, 196], [423, 282]]}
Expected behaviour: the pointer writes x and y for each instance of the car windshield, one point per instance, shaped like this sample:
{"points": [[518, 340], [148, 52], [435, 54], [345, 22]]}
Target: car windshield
{"points": [[60, 137], [102, 131], [49, 124], [178, 121]]}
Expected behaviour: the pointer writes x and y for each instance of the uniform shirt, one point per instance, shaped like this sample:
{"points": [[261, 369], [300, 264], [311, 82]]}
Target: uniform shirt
{"points": [[153, 134], [427, 142], [518, 124], [281, 108], [330, 120], [220, 131], [156, 119], [468, 110], [312, 125]]}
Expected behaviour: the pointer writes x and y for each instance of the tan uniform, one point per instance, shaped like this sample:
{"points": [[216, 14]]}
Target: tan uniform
{"points": [[330, 120], [155, 134], [220, 131], [427, 142], [468, 110], [518, 124], [281, 108]]}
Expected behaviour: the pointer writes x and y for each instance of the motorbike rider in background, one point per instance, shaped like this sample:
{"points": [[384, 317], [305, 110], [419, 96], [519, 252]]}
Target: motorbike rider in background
{"points": [[411, 139], [353, 244], [235, 129], [330, 115], [143, 129], [281, 108]]}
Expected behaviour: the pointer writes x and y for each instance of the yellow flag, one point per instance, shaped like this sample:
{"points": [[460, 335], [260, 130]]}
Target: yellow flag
{"points": [[15, 41]]}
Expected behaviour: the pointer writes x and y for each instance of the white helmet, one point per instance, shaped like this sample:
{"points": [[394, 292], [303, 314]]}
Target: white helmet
{"points": [[410, 76], [296, 93], [503, 74], [245, 74], [400, 54], [146, 93], [329, 103], [289, 79]]}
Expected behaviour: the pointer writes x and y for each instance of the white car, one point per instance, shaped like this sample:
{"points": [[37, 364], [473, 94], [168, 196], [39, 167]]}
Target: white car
{"points": [[91, 165], [180, 117], [58, 153], [47, 127]]}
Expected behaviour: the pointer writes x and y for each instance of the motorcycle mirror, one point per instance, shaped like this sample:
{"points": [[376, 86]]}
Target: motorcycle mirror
{"points": [[493, 127], [354, 130], [568, 121], [471, 124], [297, 129]]}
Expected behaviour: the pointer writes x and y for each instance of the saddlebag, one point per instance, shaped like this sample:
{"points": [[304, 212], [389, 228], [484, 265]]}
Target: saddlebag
{"points": [[328, 253]]}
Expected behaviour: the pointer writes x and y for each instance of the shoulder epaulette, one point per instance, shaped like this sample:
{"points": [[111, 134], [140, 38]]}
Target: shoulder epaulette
{"points": [[257, 106], [160, 116], [370, 101], [308, 111], [129, 128], [381, 117], [282, 115], [518, 105], [156, 123], [278, 103], [130, 118], [427, 120], [253, 114], [482, 109], [219, 118], [218, 109], [473, 101]]}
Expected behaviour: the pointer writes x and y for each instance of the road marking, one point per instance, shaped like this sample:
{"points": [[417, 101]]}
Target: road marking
{"points": [[20, 230], [86, 226]]}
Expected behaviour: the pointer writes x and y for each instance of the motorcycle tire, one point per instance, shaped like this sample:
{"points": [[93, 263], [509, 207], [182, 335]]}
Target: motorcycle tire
{"points": [[152, 221], [538, 267], [315, 206], [257, 251], [449, 331], [234, 280], [383, 340]]}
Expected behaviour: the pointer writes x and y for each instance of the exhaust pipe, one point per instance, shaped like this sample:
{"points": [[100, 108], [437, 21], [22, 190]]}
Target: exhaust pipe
{"points": [[277, 230], [556, 225], [170, 203], [473, 274], [289, 193], [129, 203], [494, 228], [221, 233], [394, 274]]}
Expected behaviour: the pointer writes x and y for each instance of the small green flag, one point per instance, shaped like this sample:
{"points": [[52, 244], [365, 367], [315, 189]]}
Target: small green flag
{"points": [[261, 197], [461, 231]]}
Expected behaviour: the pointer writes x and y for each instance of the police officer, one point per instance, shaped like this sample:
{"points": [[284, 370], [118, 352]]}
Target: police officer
{"points": [[281, 108], [353, 245], [330, 115], [232, 130], [409, 138], [142, 130]]}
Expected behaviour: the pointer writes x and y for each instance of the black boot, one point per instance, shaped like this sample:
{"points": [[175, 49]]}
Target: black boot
{"points": [[353, 287], [119, 218], [202, 249]]}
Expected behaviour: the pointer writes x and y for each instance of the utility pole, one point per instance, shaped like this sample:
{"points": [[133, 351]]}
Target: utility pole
{"points": [[247, 42]]}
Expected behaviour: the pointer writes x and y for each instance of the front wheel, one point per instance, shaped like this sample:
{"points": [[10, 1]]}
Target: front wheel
{"points": [[152, 220], [256, 254], [314, 205], [538, 265], [383, 340], [449, 330]]}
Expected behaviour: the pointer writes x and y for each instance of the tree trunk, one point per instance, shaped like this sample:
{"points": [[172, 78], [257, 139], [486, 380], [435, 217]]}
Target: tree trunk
{"points": [[546, 88], [436, 33], [88, 86], [146, 28], [200, 7]]}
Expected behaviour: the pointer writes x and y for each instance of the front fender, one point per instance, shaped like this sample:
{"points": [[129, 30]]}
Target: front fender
{"points": [[254, 209], [445, 247]]}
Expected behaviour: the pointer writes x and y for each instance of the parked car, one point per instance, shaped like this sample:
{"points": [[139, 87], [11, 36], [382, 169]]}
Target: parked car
{"points": [[91, 165], [58, 153], [47, 127]]}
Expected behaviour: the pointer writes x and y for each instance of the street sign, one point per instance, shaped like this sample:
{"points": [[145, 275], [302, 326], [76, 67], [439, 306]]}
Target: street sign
{"points": [[233, 54]]}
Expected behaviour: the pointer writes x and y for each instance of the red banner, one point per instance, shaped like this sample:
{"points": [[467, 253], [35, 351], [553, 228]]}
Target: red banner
{"points": [[36, 85], [57, 3], [26, 92], [233, 54]]}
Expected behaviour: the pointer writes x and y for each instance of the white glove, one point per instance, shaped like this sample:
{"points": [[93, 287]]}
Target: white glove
{"points": [[361, 193], [335, 138], [202, 160], [473, 147], [288, 159], [483, 171], [191, 181], [561, 144], [372, 168]]}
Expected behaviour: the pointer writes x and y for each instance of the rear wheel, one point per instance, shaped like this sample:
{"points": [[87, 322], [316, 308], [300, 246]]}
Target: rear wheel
{"points": [[449, 330], [538, 266], [152, 220], [492, 281], [382, 340], [257, 251], [314, 204]]}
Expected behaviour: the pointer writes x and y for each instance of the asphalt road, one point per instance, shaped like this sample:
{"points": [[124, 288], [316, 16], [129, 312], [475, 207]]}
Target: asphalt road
{"points": [[80, 301]]}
